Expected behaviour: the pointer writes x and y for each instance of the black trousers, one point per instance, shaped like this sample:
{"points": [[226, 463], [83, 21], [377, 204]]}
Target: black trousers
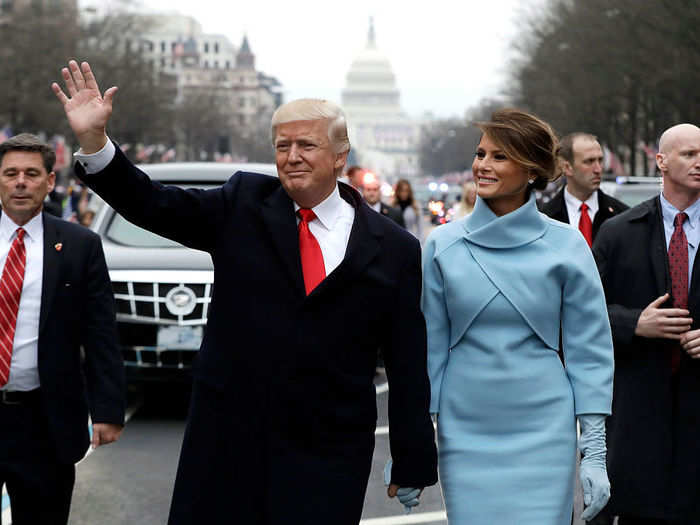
{"points": [[40, 487]]}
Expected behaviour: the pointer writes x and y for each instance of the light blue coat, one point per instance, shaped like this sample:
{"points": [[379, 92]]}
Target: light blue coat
{"points": [[496, 291]]}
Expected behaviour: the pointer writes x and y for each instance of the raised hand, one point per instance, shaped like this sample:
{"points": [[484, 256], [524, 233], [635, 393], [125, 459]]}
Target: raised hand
{"points": [[86, 108]]}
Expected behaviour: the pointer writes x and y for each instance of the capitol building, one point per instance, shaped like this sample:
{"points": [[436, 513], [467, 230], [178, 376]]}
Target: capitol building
{"points": [[384, 139]]}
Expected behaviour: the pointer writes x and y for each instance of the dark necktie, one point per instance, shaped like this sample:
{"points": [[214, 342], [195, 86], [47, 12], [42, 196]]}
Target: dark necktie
{"points": [[10, 292], [678, 266], [311, 256], [585, 224]]}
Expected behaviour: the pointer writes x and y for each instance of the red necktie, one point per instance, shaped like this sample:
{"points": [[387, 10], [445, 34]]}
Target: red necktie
{"points": [[10, 292], [678, 266], [585, 224], [311, 255]]}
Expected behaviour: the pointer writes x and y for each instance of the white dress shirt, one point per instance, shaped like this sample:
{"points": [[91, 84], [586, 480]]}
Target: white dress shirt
{"points": [[24, 372], [573, 206], [377, 206], [331, 227]]}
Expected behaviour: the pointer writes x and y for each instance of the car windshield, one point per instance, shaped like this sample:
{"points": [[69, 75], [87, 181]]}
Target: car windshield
{"points": [[123, 232], [634, 193]]}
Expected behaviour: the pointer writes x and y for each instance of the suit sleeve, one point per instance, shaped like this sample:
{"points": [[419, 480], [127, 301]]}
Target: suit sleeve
{"points": [[104, 368], [586, 336], [191, 217], [623, 320], [437, 323], [411, 434]]}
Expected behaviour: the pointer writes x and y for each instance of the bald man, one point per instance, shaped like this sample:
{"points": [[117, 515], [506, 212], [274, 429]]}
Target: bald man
{"points": [[647, 261]]}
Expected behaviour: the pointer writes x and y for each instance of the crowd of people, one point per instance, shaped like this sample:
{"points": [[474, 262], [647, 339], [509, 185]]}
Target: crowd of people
{"points": [[508, 327]]}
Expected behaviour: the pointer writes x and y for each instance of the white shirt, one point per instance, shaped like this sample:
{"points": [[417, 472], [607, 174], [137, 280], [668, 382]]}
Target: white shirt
{"points": [[573, 206], [24, 372], [377, 206], [331, 227]]}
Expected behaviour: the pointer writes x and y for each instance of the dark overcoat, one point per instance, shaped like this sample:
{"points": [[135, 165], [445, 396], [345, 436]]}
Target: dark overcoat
{"points": [[607, 207], [393, 213], [281, 426], [654, 430]]}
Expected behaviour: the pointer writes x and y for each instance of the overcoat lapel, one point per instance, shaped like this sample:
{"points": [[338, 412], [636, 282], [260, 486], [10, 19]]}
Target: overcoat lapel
{"points": [[657, 253], [363, 245], [605, 211], [279, 219], [54, 252]]}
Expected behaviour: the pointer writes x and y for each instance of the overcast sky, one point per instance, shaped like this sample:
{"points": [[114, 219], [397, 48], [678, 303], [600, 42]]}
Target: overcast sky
{"points": [[446, 54]]}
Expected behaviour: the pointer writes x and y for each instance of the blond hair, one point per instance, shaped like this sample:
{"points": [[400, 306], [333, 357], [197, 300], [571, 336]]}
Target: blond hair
{"points": [[315, 109]]}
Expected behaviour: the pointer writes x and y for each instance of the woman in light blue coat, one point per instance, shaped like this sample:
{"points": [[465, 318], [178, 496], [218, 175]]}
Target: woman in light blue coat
{"points": [[499, 285]]}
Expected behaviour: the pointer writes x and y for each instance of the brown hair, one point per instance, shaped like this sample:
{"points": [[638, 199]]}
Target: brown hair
{"points": [[566, 144], [526, 140], [411, 199], [31, 143]]}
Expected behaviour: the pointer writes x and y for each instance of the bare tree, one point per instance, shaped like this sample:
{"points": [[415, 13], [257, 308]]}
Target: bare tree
{"points": [[624, 70], [36, 40]]}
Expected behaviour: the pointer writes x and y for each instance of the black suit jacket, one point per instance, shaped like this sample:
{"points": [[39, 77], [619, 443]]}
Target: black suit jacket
{"points": [[293, 372], [393, 213], [77, 312], [653, 445], [607, 207]]}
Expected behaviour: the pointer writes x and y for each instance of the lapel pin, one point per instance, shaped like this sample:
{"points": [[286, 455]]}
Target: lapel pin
{"points": [[610, 209], [58, 246]]}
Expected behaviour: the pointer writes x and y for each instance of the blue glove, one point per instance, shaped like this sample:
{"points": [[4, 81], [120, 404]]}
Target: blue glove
{"points": [[408, 496], [594, 475]]}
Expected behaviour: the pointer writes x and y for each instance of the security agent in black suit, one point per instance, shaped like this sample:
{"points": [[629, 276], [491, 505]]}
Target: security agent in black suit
{"points": [[652, 435], [283, 412], [66, 309], [581, 161], [371, 191]]}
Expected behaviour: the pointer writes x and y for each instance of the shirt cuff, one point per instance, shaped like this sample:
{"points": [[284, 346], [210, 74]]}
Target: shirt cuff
{"points": [[95, 162]]}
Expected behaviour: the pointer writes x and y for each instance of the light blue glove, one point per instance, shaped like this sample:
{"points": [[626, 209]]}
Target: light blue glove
{"points": [[408, 496], [594, 475]]}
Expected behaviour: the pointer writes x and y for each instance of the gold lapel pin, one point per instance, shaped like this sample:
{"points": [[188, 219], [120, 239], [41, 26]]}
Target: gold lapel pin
{"points": [[58, 246]]}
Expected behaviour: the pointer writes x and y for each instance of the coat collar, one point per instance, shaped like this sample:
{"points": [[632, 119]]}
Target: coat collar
{"points": [[363, 244], [522, 226], [278, 216], [649, 211]]}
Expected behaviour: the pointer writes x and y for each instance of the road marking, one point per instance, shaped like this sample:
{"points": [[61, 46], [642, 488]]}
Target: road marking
{"points": [[423, 517], [6, 512], [384, 387], [382, 431]]}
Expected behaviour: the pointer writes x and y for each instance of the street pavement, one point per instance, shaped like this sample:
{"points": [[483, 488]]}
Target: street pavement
{"points": [[131, 481]]}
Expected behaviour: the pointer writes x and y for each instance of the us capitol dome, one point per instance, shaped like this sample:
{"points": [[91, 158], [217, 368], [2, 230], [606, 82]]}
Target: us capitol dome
{"points": [[384, 139]]}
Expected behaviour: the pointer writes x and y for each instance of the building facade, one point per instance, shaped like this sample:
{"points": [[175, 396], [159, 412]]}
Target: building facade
{"points": [[383, 137]]}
